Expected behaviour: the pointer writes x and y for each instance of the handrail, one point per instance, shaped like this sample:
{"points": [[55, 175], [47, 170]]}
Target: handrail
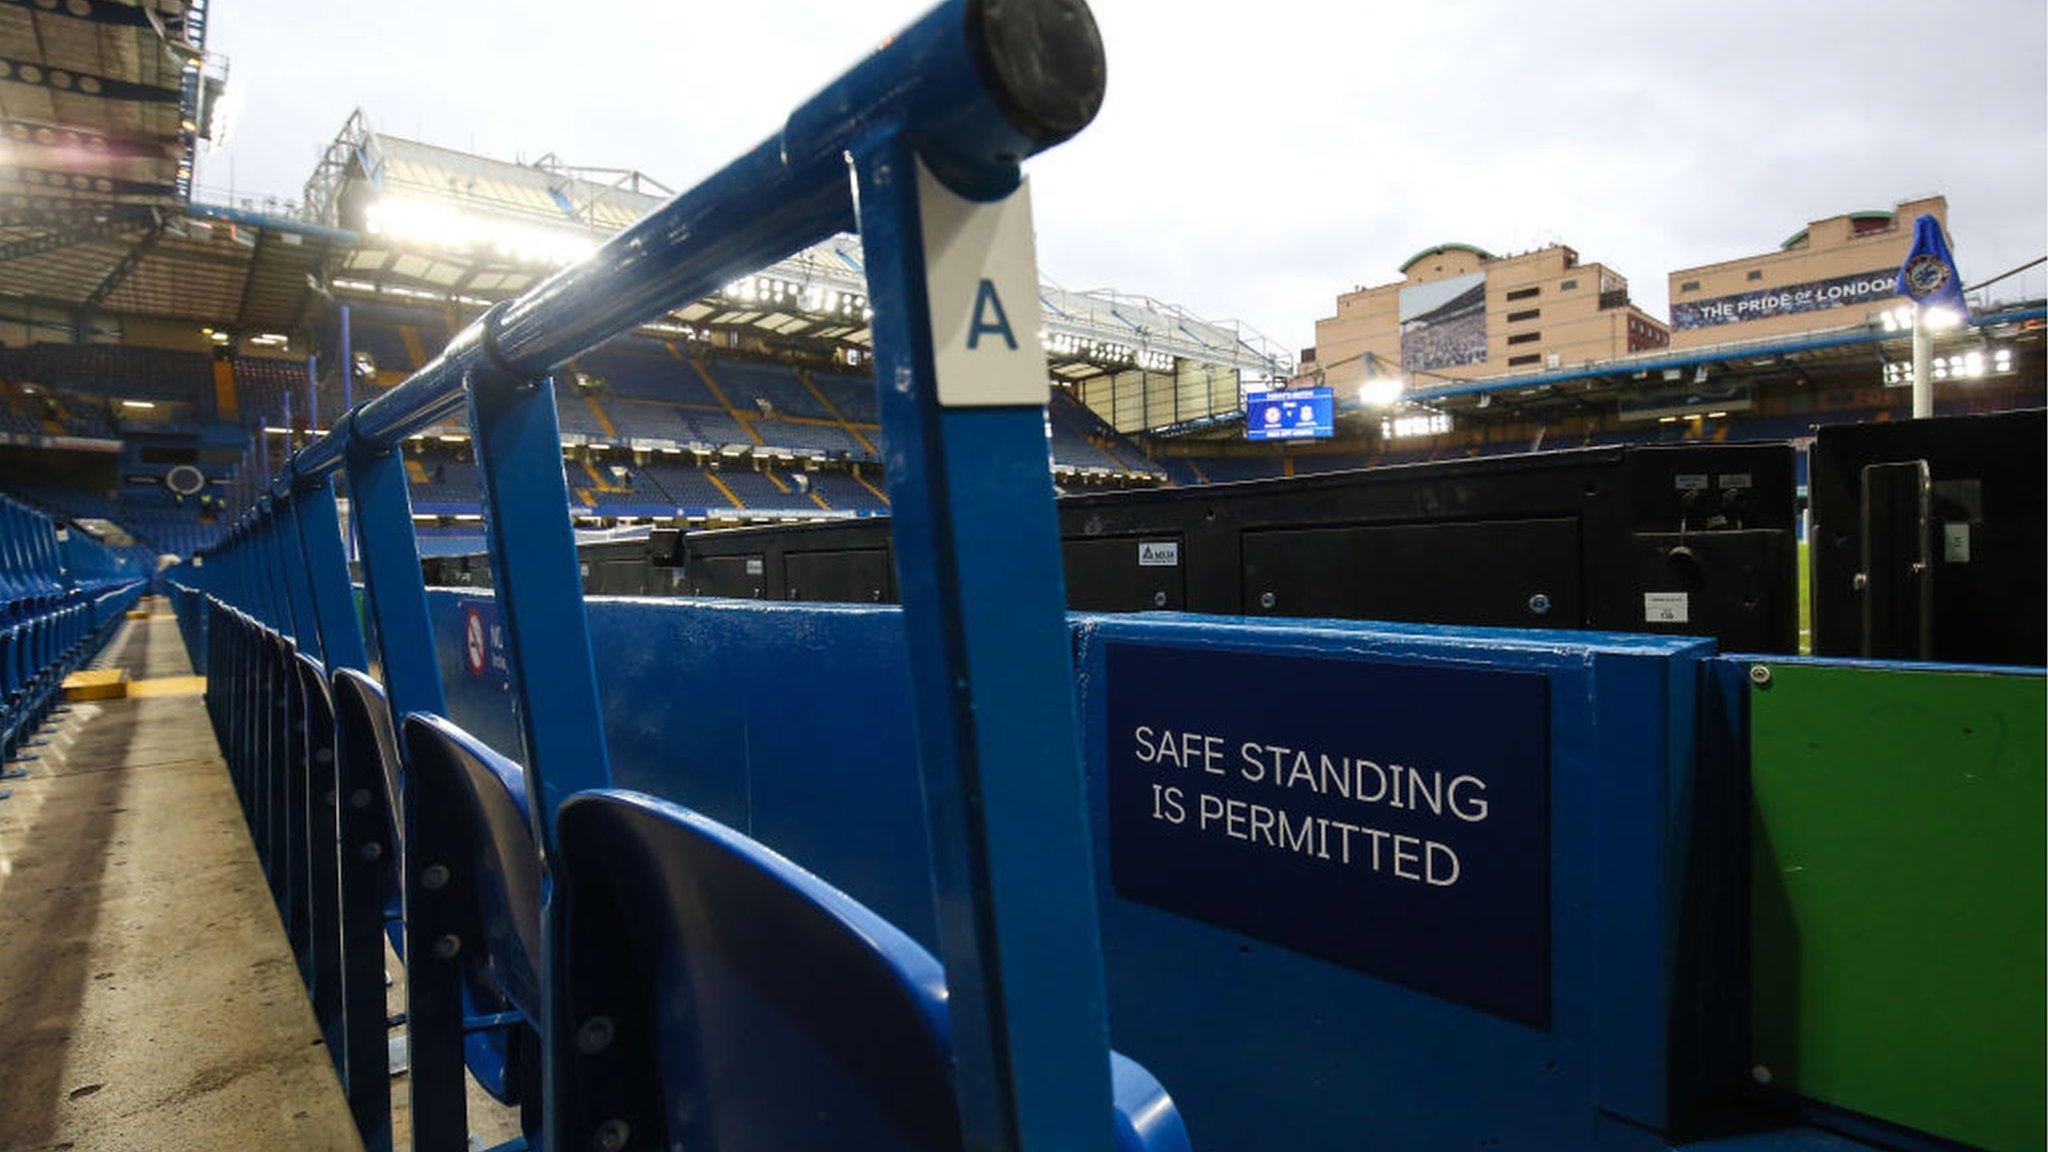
{"points": [[919, 146], [976, 86]]}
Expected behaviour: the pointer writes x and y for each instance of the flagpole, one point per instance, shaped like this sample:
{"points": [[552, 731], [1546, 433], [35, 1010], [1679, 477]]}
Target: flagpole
{"points": [[1923, 360]]}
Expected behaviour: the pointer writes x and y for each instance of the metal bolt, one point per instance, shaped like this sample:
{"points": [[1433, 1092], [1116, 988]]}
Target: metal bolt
{"points": [[1760, 675], [1267, 599], [611, 1135], [434, 877], [595, 1036], [372, 851], [359, 799], [1860, 582], [1540, 604], [1159, 599], [1761, 1074], [447, 946]]}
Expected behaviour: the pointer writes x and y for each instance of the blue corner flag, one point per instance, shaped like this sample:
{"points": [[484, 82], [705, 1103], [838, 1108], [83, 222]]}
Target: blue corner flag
{"points": [[1928, 277]]}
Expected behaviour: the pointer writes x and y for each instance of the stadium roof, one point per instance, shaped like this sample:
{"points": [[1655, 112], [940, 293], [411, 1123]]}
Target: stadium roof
{"points": [[387, 218], [1869, 346], [101, 103], [430, 222]]}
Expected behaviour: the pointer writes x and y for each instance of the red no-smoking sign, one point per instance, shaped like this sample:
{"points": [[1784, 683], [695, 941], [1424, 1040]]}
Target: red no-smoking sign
{"points": [[473, 640]]}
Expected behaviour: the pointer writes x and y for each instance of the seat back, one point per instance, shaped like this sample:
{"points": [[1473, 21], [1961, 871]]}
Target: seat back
{"points": [[710, 994], [323, 892], [473, 821], [786, 1014], [368, 856]]}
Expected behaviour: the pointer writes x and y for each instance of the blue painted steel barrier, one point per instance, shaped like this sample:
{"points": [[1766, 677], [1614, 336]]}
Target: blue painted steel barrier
{"points": [[918, 147]]}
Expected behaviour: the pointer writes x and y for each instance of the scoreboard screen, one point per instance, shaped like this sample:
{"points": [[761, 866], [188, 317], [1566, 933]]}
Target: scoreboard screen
{"points": [[1302, 414]]}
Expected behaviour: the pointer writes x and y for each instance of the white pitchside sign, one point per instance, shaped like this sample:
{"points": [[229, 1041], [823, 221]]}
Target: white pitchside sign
{"points": [[981, 276]]}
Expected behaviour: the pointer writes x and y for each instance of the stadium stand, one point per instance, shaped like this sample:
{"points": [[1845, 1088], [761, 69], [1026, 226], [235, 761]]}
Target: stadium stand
{"points": [[845, 492]]}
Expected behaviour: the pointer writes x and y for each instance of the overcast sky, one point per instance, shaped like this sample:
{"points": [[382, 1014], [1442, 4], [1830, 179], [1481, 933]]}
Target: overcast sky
{"points": [[1255, 159]]}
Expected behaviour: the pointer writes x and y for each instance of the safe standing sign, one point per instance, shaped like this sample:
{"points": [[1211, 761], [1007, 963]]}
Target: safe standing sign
{"points": [[1393, 818]]}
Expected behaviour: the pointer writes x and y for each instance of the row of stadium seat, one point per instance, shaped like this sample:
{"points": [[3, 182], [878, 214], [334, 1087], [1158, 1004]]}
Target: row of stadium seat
{"points": [[445, 480], [60, 592]]}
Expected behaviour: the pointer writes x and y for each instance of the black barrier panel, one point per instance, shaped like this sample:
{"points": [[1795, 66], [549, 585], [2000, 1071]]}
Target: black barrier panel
{"points": [[1955, 572], [1695, 540]]}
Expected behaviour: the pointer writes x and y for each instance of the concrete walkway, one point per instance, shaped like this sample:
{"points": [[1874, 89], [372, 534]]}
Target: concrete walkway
{"points": [[148, 999]]}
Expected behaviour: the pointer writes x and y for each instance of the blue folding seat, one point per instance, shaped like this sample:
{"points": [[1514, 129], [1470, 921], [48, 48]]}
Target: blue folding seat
{"points": [[368, 855], [712, 995], [483, 918], [322, 906]]}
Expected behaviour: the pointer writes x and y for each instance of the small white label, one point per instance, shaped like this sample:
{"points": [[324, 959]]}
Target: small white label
{"points": [[1159, 554], [1731, 481], [1955, 541], [1691, 482], [754, 566], [981, 277], [1666, 607], [585, 569], [62, 535]]}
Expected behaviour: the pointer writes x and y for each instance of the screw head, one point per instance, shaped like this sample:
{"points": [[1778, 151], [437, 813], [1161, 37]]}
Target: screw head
{"points": [[1761, 1073], [1267, 600], [1760, 675], [434, 877], [1159, 599], [1540, 604], [359, 799], [595, 1035], [372, 851], [611, 1135], [447, 946]]}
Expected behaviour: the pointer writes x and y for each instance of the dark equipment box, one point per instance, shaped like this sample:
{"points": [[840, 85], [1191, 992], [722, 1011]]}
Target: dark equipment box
{"points": [[1930, 539], [1695, 539]]}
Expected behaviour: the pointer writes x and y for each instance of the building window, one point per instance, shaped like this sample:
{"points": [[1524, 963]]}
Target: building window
{"points": [[1525, 293], [1756, 273], [1525, 337], [1689, 286], [1524, 361], [1526, 314], [1567, 285]]}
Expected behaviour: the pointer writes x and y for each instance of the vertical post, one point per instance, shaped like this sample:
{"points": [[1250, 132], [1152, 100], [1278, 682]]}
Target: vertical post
{"points": [[312, 392], [397, 597], [348, 365], [539, 587], [348, 401], [392, 582], [963, 389], [1923, 364], [319, 527]]}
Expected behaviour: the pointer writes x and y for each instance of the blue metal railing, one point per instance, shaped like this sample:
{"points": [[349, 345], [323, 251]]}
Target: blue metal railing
{"points": [[918, 147]]}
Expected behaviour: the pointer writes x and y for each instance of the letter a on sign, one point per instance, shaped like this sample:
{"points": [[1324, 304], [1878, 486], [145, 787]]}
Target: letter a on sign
{"points": [[981, 277], [989, 317]]}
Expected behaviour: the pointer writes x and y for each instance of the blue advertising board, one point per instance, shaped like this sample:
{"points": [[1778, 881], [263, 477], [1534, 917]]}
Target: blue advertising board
{"points": [[1390, 818], [1302, 414]]}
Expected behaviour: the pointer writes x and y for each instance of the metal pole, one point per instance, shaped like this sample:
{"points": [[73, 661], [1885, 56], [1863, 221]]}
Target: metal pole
{"points": [[348, 364], [963, 390], [1923, 364]]}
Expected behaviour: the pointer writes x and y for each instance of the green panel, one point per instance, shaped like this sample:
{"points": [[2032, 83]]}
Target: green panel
{"points": [[1898, 897]]}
